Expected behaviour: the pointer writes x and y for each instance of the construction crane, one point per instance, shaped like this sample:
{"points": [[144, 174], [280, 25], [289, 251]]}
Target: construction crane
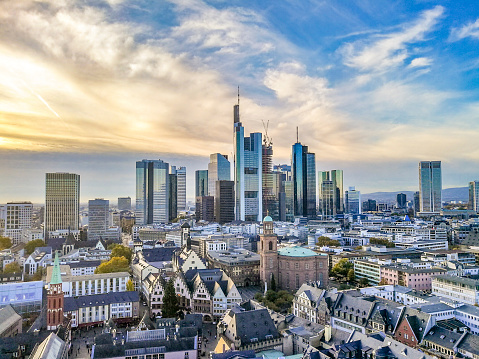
{"points": [[267, 141]]}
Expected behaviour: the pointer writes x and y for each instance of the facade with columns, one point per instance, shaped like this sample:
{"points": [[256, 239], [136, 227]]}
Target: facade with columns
{"points": [[290, 266]]}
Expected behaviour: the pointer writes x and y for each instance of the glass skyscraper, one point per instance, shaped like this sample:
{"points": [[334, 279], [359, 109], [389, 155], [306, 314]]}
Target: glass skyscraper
{"points": [[430, 186], [474, 196], [353, 201], [181, 190], [152, 191], [201, 183], [248, 177], [303, 166], [330, 185], [218, 170], [98, 218]]}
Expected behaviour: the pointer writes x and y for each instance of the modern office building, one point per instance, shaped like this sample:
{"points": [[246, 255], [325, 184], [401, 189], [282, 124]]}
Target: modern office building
{"points": [[353, 201], [152, 192], [331, 200], [124, 203], [369, 206], [283, 186], [270, 182], [181, 190], [201, 183], [248, 177], [224, 202], [218, 170], [62, 201], [474, 196], [401, 200], [430, 186], [17, 219], [303, 167], [417, 205], [173, 194], [205, 208], [98, 218]]}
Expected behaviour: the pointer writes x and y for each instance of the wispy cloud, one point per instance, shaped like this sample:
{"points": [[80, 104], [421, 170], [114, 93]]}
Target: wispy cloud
{"points": [[469, 30]]}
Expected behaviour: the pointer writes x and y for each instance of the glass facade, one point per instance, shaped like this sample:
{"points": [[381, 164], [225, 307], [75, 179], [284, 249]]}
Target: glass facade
{"points": [[330, 186], [98, 218], [474, 196], [152, 192], [201, 183], [304, 181], [430, 186], [219, 169]]}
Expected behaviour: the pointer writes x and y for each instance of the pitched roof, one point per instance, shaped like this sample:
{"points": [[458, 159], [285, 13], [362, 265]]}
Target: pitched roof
{"points": [[51, 348], [252, 324], [74, 303], [8, 316]]}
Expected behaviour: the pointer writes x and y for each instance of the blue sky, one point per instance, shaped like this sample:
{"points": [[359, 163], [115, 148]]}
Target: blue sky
{"points": [[374, 86]]}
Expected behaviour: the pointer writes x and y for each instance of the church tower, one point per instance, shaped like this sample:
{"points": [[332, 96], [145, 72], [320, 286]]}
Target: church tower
{"points": [[185, 235], [55, 298], [268, 251]]}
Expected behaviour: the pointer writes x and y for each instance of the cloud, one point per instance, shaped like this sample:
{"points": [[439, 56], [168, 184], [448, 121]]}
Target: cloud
{"points": [[420, 62], [382, 53], [469, 30]]}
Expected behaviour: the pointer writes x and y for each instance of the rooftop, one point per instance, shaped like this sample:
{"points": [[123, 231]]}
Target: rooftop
{"points": [[298, 252]]}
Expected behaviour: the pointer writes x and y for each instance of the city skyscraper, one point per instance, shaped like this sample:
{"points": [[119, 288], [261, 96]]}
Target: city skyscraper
{"points": [[283, 186], [270, 185], [474, 196], [152, 192], [173, 194], [401, 200], [201, 183], [224, 202], [303, 166], [430, 186], [353, 201], [205, 208], [219, 169], [124, 203], [330, 186], [98, 218], [17, 218], [248, 176], [62, 201], [181, 190]]}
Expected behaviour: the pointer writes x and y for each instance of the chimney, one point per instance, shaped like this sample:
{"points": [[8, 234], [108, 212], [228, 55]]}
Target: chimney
{"points": [[327, 333]]}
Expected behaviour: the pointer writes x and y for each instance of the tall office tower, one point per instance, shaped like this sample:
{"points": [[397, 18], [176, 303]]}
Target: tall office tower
{"points": [[218, 170], [474, 196], [17, 218], [304, 181], [224, 202], [201, 183], [124, 203], [181, 189], [353, 201], [370, 205], [173, 194], [62, 201], [330, 186], [205, 208], [401, 200], [430, 186], [270, 192], [284, 188], [98, 218], [152, 192], [417, 205], [248, 175]]}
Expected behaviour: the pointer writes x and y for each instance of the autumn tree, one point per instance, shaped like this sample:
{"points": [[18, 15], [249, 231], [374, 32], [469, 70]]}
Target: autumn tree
{"points": [[170, 306], [5, 243], [30, 246], [326, 241], [130, 286], [13, 267], [383, 281], [382, 242], [119, 250], [116, 264], [342, 268]]}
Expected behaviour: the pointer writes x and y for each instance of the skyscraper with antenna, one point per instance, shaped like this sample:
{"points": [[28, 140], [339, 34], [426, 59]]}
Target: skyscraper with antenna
{"points": [[247, 171]]}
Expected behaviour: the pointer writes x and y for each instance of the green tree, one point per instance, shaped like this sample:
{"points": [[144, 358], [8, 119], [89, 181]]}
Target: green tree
{"points": [[383, 281], [326, 241], [170, 301], [278, 301], [382, 242], [273, 283], [13, 267], [363, 282], [5, 243], [116, 264], [342, 268], [130, 286], [351, 276], [119, 250], [30, 246]]}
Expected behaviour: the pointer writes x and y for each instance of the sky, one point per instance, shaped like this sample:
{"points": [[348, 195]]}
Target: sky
{"points": [[92, 86]]}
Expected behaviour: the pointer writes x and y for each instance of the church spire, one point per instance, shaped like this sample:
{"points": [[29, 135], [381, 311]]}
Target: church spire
{"points": [[56, 273]]}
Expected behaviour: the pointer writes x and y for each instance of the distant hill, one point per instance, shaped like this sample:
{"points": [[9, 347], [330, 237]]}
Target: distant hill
{"points": [[448, 194]]}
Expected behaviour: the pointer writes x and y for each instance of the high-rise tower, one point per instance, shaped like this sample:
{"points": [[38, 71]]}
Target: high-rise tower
{"points": [[181, 190], [201, 183], [98, 218], [430, 186], [303, 166], [247, 172], [62, 201], [152, 191], [330, 185], [474, 196], [219, 169]]}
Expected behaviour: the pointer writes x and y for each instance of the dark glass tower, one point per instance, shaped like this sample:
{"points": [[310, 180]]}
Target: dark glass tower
{"points": [[303, 166]]}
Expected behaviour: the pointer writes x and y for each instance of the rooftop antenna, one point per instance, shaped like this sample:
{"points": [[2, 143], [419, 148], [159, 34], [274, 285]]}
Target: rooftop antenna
{"points": [[238, 95], [297, 135]]}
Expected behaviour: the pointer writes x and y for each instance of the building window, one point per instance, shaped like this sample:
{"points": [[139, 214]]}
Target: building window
{"points": [[270, 245]]}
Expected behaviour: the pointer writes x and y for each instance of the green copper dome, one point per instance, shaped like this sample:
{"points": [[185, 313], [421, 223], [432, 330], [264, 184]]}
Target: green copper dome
{"points": [[267, 219]]}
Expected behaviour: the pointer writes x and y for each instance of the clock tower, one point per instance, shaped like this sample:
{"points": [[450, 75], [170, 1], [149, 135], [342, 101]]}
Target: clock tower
{"points": [[268, 251]]}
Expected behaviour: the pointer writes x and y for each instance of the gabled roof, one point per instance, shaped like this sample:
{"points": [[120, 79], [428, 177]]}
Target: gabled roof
{"points": [[74, 303], [51, 348], [417, 321], [252, 324], [8, 316]]}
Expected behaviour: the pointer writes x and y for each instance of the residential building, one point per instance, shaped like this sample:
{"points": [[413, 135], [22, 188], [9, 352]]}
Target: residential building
{"points": [[152, 192], [461, 289], [17, 220], [303, 167], [62, 201], [201, 183], [248, 177], [414, 278], [41, 257], [124, 203], [98, 218], [430, 186]]}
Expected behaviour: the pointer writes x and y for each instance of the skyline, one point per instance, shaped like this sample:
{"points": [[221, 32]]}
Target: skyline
{"points": [[92, 88]]}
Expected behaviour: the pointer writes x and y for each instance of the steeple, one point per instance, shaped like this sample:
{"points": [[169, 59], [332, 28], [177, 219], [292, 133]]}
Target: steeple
{"points": [[56, 273]]}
